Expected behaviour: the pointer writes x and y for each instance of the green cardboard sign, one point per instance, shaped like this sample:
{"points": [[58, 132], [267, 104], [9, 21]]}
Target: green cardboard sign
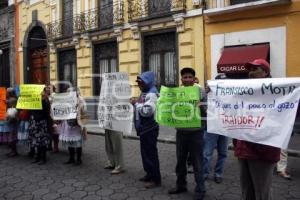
{"points": [[178, 107]]}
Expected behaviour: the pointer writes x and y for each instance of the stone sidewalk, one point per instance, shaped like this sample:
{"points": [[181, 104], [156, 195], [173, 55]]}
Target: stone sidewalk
{"points": [[19, 179]]}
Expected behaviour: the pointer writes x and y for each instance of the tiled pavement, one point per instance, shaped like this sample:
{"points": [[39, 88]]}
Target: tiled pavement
{"points": [[19, 179]]}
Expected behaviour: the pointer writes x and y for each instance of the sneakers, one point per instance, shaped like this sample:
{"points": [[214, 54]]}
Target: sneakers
{"points": [[145, 179], [177, 190], [109, 167], [152, 184], [116, 171], [218, 179], [285, 175]]}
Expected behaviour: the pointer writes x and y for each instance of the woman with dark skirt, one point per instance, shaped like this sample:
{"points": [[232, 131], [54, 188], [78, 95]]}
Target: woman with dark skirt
{"points": [[39, 135]]}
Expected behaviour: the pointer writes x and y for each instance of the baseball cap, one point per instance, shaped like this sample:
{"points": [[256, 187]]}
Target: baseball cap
{"points": [[259, 63]]}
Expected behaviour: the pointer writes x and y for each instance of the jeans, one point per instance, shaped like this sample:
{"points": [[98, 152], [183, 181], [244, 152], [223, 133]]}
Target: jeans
{"points": [[149, 152], [190, 142], [212, 141]]}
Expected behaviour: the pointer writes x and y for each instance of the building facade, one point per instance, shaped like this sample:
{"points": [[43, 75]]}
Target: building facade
{"points": [[7, 44], [75, 41], [88, 38], [239, 31]]}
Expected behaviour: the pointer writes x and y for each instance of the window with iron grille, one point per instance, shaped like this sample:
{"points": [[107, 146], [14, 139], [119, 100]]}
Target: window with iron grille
{"points": [[159, 7], [67, 68], [160, 56], [105, 61], [4, 68], [67, 13], [105, 14]]}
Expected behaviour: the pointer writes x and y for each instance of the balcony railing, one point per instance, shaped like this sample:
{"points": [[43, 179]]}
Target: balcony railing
{"points": [[3, 33], [101, 18], [148, 9], [3, 24], [223, 3], [60, 28]]}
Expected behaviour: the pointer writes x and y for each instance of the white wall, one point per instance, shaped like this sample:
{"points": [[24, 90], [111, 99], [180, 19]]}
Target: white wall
{"points": [[275, 36]]}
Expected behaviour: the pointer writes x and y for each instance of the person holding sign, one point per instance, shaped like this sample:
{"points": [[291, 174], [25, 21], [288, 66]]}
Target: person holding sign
{"points": [[12, 121], [190, 140], [256, 161], [38, 131], [214, 141], [147, 128], [73, 132]]}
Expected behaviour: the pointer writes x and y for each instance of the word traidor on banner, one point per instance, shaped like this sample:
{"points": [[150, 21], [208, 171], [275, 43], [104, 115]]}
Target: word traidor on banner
{"points": [[178, 107], [256, 110], [2, 103], [30, 97], [64, 106], [114, 110]]}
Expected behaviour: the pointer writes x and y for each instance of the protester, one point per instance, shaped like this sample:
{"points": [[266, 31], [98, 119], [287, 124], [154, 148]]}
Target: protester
{"points": [[23, 116], [50, 91], [12, 122], [214, 141], [39, 136], [190, 140], [256, 161], [72, 132], [114, 151], [147, 128]]}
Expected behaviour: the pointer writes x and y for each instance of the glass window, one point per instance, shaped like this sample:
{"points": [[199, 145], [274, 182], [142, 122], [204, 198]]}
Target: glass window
{"points": [[105, 61]]}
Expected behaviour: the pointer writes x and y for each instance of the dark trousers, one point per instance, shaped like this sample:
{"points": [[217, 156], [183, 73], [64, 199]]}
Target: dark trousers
{"points": [[148, 141], [41, 153], [256, 179], [190, 142], [72, 152]]}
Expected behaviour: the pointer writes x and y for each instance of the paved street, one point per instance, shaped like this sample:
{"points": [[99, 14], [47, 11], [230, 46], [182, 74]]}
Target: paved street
{"points": [[19, 179]]}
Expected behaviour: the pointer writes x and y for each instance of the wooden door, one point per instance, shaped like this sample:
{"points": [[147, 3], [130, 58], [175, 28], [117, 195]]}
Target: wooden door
{"points": [[39, 66]]}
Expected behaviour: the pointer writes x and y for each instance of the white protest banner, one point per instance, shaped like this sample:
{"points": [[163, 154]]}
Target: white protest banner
{"points": [[257, 110], [115, 111], [64, 106]]}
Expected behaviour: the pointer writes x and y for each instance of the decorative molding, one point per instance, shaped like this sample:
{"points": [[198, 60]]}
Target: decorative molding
{"points": [[179, 21], [118, 33], [76, 41], [135, 31], [52, 47], [87, 40]]}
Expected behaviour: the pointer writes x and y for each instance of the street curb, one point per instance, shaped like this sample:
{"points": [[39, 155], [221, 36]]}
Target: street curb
{"points": [[291, 152]]}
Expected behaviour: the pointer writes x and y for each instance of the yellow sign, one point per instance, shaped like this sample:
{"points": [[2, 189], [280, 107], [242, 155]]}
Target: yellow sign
{"points": [[2, 103], [30, 97]]}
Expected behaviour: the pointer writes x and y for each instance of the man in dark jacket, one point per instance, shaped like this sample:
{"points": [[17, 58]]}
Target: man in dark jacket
{"points": [[147, 128], [256, 161], [190, 140]]}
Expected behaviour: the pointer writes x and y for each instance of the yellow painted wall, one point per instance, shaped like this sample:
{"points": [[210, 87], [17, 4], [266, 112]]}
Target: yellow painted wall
{"points": [[259, 18], [190, 46]]}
